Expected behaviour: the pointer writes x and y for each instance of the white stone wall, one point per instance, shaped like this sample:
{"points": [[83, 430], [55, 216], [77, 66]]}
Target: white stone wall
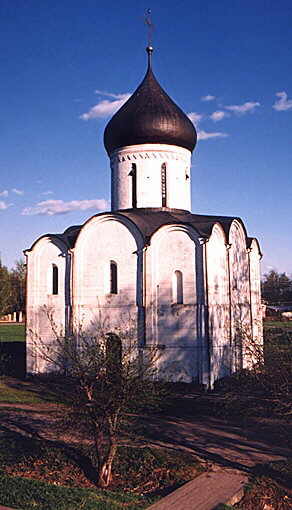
{"points": [[240, 295], [255, 293], [170, 325], [202, 329], [218, 304], [148, 159], [46, 313], [104, 239]]}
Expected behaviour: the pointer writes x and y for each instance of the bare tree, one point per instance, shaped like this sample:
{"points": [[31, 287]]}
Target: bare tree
{"points": [[110, 378]]}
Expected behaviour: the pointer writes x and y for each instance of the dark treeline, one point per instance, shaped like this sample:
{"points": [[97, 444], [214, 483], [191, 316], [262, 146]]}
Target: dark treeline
{"points": [[277, 288]]}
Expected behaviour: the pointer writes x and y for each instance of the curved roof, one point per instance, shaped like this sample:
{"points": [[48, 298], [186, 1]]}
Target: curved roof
{"points": [[149, 116], [149, 220], [68, 237]]}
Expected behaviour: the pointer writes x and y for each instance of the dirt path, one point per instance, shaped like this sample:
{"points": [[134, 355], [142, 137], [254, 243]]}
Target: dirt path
{"points": [[217, 441], [214, 440]]}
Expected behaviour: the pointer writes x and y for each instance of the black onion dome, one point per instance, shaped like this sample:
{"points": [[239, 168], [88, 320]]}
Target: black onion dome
{"points": [[149, 116]]}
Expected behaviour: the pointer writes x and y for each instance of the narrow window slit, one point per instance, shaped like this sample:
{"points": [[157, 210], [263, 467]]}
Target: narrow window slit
{"points": [[113, 277], [133, 175], [55, 280], [163, 184], [177, 288]]}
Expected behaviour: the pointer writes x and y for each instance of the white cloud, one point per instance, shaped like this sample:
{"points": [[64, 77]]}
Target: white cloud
{"points": [[208, 97], [195, 117], [109, 94], [53, 207], [247, 107], [283, 103], [105, 108], [49, 192], [4, 193], [3, 205], [17, 191], [218, 115], [205, 135]]}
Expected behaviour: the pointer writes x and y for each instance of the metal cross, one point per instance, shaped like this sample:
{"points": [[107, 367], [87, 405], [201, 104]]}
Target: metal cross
{"points": [[150, 26]]}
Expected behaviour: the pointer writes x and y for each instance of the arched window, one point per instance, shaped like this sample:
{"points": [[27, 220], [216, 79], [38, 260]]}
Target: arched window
{"points": [[177, 288], [163, 185], [55, 280], [113, 277], [133, 175]]}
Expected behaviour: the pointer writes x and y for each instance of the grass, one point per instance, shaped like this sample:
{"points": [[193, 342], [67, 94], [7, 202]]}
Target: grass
{"points": [[30, 391], [29, 494], [47, 475], [12, 333], [16, 392], [50, 475], [278, 324]]}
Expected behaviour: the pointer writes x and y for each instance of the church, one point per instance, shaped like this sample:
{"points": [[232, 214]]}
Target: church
{"points": [[189, 282]]}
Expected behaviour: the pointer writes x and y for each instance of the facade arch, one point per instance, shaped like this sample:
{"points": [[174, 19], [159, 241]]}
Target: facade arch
{"points": [[217, 271], [48, 296], [255, 292], [107, 271], [239, 295]]}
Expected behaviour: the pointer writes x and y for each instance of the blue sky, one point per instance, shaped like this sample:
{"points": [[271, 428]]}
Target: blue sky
{"points": [[66, 65]]}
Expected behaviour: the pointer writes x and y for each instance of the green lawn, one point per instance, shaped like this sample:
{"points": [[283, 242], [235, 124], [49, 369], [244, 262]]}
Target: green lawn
{"points": [[28, 494], [278, 324], [18, 392], [12, 333]]}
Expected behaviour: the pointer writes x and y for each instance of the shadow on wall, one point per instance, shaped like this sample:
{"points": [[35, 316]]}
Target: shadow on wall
{"points": [[178, 330]]}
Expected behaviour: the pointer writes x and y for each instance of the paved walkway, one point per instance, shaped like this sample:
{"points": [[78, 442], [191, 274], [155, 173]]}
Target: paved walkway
{"points": [[205, 492]]}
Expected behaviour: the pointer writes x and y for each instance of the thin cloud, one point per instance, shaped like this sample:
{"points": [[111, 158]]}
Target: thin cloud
{"points": [[3, 205], [53, 207], [282, 104], [248, 107], [195, 117], [109, 94], [17, 191], [218, 115], [4, 193], [208, 97], [105, 108], [205, 135], [49, 192]]}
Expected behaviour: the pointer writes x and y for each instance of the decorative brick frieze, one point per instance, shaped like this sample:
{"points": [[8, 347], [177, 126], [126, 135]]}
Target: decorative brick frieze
{"points": [[134, 156]]}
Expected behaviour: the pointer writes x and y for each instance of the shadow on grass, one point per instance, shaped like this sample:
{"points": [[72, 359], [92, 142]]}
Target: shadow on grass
{"points": [[35, 390], [27, 447], [13, 358]]}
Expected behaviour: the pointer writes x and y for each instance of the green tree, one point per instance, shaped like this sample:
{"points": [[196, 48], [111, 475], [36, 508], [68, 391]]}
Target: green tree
{"points": [[5, 290], [276, 288], [18, 284]]}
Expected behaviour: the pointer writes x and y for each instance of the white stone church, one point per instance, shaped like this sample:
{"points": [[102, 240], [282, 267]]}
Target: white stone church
{"points": [[190, 282]]}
